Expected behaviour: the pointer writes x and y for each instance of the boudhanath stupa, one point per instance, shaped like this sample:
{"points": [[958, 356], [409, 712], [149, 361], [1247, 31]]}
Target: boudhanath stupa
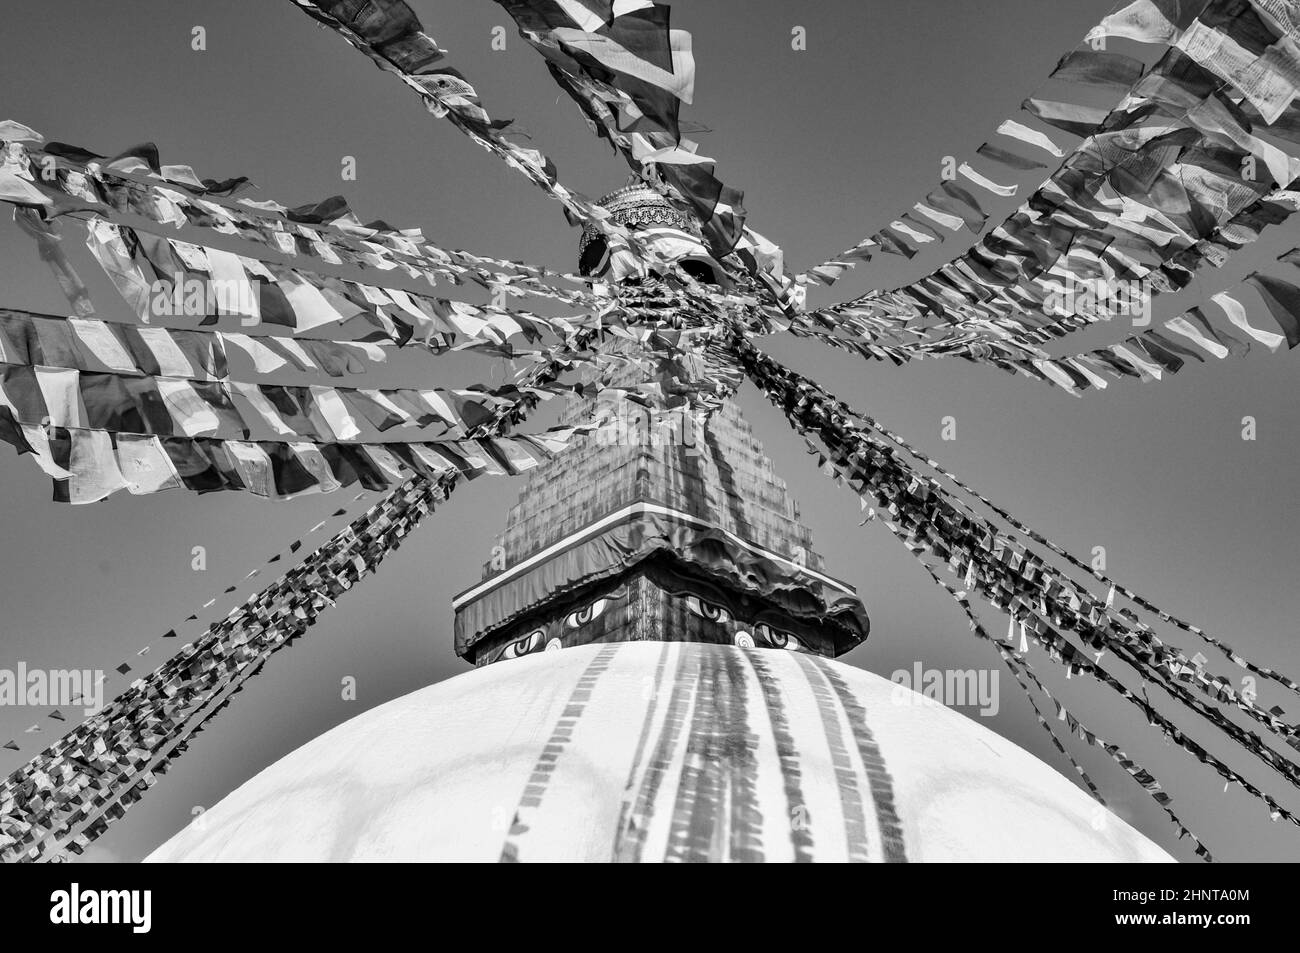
{"points": [[655, 680]]}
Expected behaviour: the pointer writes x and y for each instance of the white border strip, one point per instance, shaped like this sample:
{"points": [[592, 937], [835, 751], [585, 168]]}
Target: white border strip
{"points": [[594, 529]]}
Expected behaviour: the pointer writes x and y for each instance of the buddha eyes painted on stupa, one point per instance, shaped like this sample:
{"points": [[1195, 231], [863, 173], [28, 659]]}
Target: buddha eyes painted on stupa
{"points": [[528, 643], [708, 610], [570, 630], [682, 611], [778, 639], [580, 617]]}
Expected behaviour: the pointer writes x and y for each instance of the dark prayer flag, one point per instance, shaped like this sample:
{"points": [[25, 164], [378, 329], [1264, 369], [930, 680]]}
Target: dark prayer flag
{"points": [[1170, 345], [11, 433], [893, 243], [953, 199], [1081, 121], [1098, 68], [1283, 302], [1009, 159], [1235, 347]]}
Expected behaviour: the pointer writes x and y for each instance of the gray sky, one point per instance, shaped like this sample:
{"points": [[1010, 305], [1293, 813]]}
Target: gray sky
{"points": [[828, 144]]}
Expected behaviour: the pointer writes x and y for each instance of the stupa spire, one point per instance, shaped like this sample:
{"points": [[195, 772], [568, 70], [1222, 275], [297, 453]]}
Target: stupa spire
{"points": [[659, 526]]}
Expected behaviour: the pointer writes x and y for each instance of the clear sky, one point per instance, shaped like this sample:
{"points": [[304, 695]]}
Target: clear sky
{"points": [[828, 144]]}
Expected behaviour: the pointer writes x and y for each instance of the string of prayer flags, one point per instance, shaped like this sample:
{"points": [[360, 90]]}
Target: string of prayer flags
{"points": [[270, 294], [327, 231], [1019, 581], [1152, 354], [1083, 67], [70, 793], [89, 465], [954, 298], [172, 406], [1139, 651], [48, 415], [1152, 193], [1023, 673], [1114, 587], [171, 633], [143, 158], [628, 72], [390, 34]]}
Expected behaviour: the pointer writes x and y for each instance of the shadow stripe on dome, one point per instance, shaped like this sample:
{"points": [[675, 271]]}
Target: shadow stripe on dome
{"points": [[715, 814], [560, 737], [746, 816], [698, 812], [631, 788], [798, 816], [846, 778], [630, 842], [882, 785]]}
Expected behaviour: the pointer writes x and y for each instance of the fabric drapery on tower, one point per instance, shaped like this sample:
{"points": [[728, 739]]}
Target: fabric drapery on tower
{"points": [[656, 528]]}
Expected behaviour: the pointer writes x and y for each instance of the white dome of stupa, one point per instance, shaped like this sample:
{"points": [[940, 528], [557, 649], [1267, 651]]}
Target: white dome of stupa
{"points": [[659, 751]]}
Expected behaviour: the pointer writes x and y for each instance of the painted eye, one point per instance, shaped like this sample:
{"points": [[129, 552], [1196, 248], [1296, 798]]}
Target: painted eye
{"points": [[580, 617], [778, 639], [523, 646], [707, 610]]}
